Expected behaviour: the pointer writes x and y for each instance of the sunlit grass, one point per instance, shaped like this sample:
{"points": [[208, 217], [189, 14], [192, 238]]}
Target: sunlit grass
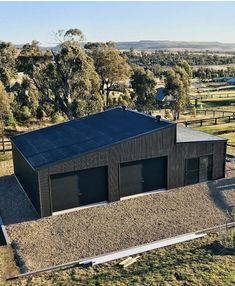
{"points": [[194, 263]]}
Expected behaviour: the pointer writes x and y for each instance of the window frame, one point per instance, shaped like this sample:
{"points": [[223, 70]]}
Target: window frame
{"points": [[198, 170]]}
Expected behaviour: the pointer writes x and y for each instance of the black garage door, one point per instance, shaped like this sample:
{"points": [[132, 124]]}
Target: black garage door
{"points": [[80, 188], [64, 191], [142, 176], [93, 186]]}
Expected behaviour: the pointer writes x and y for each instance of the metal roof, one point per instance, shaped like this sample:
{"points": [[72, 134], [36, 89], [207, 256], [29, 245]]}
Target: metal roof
{"points": [[47, 146], [231, 80], [160, 94], [186, 134]]}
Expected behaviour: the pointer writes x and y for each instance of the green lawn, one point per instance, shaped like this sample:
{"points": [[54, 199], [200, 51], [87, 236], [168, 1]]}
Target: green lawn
{"points": [[218, 130], [194, 263], [218, 103], [5, 157], [222, 108], [7, 264]]}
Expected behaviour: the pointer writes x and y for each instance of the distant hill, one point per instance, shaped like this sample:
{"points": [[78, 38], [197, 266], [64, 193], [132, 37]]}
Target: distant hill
{"points": [[168, 45], [176, 45]]}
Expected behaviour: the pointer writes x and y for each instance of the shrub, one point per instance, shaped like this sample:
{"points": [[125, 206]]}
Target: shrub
{"points": [[227, 238], [167, 114], [57, 117], [10, 120], [23, 114]]}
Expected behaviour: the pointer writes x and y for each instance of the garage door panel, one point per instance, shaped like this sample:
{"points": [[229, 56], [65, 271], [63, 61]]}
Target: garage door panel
{"points": [[131, 179], [93, 185], [154, 173], [64, 191], [142, 176], [79, 188]]}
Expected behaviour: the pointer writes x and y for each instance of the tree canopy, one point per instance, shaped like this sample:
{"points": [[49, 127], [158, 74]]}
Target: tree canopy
{"points": [[8, 55], [144, 87], [177, 83], [66, 79], [110, 65]]}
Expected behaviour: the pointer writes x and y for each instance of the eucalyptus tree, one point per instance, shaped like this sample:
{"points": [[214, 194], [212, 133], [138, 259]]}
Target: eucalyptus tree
{"points": [[110, 64], [177, 83], [4, 101], [8, 55], [144, 87], [65, 78]]}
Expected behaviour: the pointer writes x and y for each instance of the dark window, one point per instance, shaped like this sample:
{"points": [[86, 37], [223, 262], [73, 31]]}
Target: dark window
{"points": [[192, 164], [198, 170]]}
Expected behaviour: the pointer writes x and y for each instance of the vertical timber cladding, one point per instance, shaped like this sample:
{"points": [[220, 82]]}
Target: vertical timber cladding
{"points": [[219, 151], [27, 177], [156, 144], [183, 151]]}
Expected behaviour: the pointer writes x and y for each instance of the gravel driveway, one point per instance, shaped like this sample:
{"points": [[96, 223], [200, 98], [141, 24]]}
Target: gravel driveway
{"points": [[98, 230]]}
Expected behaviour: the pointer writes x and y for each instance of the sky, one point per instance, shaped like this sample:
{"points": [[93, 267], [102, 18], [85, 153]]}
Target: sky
{"points": [[22, 22]]}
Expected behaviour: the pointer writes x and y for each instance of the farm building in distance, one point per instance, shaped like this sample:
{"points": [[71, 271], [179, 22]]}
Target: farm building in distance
{"points": [[227, 80], [109, 155], [231, 81]]}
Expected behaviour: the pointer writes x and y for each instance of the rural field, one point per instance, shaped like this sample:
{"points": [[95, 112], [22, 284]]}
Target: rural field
{"points": [[218, 103], [194, 263]]}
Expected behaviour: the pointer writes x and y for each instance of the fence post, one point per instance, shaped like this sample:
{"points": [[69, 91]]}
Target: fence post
{"points": [[201, 122], [229, 119], [2, 133], [215, 121], [186, 123]]}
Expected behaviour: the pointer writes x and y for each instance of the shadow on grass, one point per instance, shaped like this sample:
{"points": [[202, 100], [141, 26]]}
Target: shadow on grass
{"points": [[20, 263], [15, 206]]}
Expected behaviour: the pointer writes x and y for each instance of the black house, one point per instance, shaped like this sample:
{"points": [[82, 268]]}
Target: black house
{"points": [[110, 155]]}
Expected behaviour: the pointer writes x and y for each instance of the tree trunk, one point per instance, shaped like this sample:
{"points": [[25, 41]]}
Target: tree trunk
{"points": [[68, 100], [108, 89], [107, 96]]}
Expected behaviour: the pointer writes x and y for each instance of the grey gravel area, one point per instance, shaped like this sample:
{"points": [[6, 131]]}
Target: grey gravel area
{"points": [[99, 230], [15, 206]]}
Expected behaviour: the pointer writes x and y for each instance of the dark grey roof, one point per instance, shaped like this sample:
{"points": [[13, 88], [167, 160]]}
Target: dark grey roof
{"points": [[186, 134], [231, 80], [160, 94], [63, 141]]}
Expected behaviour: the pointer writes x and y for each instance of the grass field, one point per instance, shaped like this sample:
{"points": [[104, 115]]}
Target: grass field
{"points": [[221, 108], [5, 157], [218, 103], [194, 263], [217, 129], [226, 131], [7, 265]]}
